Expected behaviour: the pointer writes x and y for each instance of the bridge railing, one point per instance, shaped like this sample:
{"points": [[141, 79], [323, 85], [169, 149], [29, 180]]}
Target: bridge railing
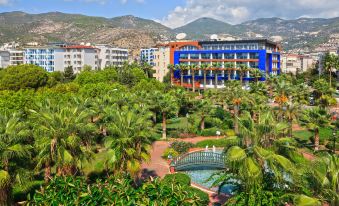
{"points": [[200, 158]]}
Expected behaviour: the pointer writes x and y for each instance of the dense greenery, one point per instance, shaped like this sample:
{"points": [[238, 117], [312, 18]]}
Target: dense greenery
{"points": [[115, 191], [87, 135]]}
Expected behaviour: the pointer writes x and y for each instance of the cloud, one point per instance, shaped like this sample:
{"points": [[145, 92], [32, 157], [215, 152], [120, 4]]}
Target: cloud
{"points": [[89, 1], [238, 11], [4, 2], [126, 1]]}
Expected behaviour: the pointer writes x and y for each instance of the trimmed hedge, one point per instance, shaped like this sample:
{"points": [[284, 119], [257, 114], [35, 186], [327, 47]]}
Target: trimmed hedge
{"points": [[177, 178], [216, 142], [170, 151], [210, 132], [181, 147]]}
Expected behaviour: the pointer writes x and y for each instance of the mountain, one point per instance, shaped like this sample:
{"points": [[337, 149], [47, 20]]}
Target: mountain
{"points": [[204, 27], [134, 33], [302, 33], [125, 31]]}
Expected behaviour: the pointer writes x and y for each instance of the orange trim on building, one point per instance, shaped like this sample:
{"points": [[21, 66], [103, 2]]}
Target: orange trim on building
{"points": [[175, 46], [219, 60]]}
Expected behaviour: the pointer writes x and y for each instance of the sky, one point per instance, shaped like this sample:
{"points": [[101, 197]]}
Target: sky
{"points": [[175, 13]]}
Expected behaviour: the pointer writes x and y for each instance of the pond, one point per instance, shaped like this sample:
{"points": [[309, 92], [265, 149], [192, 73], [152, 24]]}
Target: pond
{"points": [[201, 175]]}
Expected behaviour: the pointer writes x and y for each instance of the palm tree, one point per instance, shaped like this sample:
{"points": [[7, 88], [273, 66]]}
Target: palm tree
{"points": [[314, 119], [326, 175], [129, 139], [204, 107], [5, 188], [171, 68], [148, 69], [58, 137], [204, 68], [165, 103], [257, 74], [230, 67], [182, 68], [243, 68], [249, 159], [192, 68], [290, 113], [13, 137], [331, 62], [216, 66]]}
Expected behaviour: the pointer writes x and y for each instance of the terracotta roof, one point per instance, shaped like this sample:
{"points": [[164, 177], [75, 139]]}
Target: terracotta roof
{"points": [[79, 47]]}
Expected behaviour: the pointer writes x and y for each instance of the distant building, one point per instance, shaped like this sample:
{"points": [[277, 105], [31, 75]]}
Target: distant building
{"points": [[78, 56], [49, 58], [111, 56], [148, 55], [11, 58], [161, 62], [4, 59], [254, 54], [58, 58], [294, 63]]}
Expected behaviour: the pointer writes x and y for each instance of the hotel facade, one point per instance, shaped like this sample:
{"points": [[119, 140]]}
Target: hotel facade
{"points": [[220, 60], [223, 60]]}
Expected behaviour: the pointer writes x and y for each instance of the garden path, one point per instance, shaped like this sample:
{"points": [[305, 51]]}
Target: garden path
{"points": [[158, 167]]}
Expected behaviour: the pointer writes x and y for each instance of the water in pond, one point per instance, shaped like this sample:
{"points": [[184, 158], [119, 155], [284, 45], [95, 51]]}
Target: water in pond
{"points": [[200, 177]]}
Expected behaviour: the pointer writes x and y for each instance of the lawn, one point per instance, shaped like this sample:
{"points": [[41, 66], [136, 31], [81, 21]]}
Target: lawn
{"points": [[216, 142], [304, 136]]}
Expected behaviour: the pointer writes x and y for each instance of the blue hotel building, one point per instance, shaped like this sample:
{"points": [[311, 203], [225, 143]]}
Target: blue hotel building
{"points": [[224, 59]]}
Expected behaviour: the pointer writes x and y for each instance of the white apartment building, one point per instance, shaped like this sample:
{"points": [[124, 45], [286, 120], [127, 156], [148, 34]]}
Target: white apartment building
{"points": [[49, 58], [58, 58], [296, 63], [161, 62], [110, 56], [16, 57], [11, 58], [79, 56], [4, 59]]}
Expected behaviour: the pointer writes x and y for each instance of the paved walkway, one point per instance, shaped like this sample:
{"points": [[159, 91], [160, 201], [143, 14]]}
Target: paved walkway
{"points": [[158, 167]]}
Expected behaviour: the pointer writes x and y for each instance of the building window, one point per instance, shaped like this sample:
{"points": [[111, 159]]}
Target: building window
{"points": [[205, 56], [216, 56], [242, 56], [229, 56], [254, 55], [254, 65], [194, 56], [183, 56]]}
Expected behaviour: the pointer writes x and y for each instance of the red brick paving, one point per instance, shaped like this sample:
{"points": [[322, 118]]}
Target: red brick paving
{"points": [[158, 167]]}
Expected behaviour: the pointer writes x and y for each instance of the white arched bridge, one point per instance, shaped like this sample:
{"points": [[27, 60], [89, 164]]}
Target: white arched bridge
{"points": [[193, 160]]}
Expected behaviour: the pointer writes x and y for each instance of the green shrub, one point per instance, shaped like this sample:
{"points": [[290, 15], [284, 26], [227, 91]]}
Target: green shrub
{"points": [[20, 192], [170, 151], [216, 142], [181, 147], [211, 122], [202, 195], [210, 132], [230, 133], [113, 191], [329, 146], [177, 179]]}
